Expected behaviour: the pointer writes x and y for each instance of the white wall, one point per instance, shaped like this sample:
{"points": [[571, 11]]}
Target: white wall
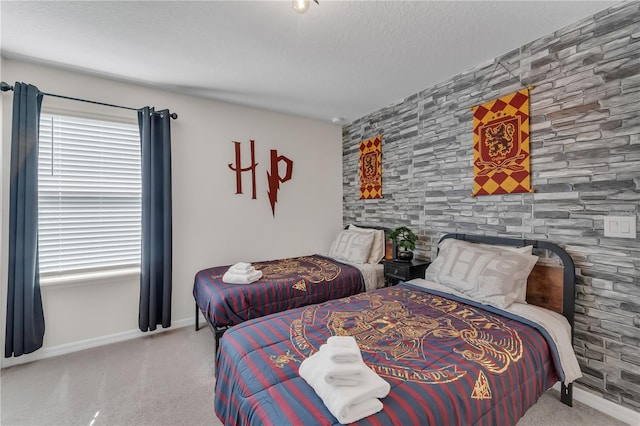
{"points": [[211, 224]]}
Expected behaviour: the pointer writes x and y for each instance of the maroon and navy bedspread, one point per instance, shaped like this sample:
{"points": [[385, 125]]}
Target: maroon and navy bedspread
{"points": [[447, 362], [285, 284]]}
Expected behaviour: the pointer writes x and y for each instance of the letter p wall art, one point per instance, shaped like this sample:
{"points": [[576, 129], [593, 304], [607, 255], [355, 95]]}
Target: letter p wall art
{"points": [[275, 175]]}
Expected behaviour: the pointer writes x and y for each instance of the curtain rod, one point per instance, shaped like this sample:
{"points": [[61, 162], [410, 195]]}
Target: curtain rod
{"points": [[6, 87]]}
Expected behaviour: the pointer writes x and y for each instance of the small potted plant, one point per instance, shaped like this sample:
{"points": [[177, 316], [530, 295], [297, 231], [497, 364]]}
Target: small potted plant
{"points": [[405, 241]]}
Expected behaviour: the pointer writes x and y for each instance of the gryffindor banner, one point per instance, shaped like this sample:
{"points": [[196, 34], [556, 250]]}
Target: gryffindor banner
{"points": [[501, 145], [370, 165]]}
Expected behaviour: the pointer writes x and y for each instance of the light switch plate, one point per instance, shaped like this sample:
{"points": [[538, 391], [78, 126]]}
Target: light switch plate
{"points": [[620, 226]]}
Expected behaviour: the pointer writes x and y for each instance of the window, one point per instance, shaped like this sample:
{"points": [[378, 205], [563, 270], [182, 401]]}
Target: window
{"points": [[89, 195]]}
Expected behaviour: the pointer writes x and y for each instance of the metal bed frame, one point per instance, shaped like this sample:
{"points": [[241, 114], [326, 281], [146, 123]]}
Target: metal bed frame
{"points": [[568, 288]]}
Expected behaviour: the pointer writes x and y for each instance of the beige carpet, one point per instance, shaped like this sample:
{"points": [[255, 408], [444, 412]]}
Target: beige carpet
{"points": [[163, 379]]}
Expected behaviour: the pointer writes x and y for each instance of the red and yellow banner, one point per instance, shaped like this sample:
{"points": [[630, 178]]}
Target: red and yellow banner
{"points": [[501, 145], [370, 165]]}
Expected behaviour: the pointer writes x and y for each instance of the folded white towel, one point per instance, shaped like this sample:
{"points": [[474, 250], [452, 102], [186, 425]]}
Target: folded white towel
{"points": [[359, 411], [342, 373], [343, 341], [242, 271], [231, 278], [242, 266], [347, 403], [343, 349]]}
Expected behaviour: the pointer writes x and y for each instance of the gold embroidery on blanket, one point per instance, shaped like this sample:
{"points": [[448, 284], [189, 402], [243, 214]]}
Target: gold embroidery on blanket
{"points": [[481, 390], [311, 269], [446, 374], [300, 285], [282, 360], [387, 328]]}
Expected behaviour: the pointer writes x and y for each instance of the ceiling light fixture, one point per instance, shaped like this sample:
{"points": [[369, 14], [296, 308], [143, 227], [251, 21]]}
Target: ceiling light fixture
{"points": [[301, 6]]}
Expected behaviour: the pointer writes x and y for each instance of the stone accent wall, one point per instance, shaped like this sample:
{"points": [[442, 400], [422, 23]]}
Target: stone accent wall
{"points": [[585, 162]]}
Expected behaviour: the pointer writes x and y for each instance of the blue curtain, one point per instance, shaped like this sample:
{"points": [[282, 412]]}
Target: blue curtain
{"points": [[25, 317], [155, 275]]}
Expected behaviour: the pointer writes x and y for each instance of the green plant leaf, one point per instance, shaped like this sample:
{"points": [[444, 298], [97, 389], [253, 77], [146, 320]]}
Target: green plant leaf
{"points": [[404, 237]]}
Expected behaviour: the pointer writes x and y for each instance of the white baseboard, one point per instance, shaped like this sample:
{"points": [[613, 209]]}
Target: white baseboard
{"points": [[609, 408], [92, 343]]}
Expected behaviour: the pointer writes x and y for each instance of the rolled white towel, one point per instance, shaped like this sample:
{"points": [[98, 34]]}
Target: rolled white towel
{"points": [[346, 403], [242, 271], [342, 373], [350, 380], [231, 278], [343, 349]]}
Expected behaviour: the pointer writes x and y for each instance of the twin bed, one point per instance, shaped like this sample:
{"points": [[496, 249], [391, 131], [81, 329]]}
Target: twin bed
{"points": [[450, 358], [351, 266]]}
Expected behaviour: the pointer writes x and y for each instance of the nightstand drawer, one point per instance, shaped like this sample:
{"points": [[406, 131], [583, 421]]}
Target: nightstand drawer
{"points": [[395, 271]]}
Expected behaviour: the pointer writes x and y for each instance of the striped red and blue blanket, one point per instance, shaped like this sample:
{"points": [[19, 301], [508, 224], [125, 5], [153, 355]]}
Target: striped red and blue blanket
{"points": [[448, 362], [285, 284]]}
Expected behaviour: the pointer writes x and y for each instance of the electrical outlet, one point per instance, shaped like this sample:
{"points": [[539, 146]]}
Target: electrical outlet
{"points": [[620, 226]]}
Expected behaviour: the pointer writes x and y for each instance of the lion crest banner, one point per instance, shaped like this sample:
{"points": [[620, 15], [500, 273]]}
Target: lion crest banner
{"points": [[501, 145], [370, 165]]}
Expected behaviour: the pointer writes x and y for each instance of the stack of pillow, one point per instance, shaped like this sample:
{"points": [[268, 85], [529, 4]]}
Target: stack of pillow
{"points": [[359, 245], [494, 275]]}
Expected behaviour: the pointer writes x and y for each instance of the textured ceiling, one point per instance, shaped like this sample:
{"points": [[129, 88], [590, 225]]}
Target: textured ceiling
{"points": [[341, 59]]}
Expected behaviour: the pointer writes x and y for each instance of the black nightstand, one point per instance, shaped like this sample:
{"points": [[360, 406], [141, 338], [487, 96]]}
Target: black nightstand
{"points": [[396, 271]]}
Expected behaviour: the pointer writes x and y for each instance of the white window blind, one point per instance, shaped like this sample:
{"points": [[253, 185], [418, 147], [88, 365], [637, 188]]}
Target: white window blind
{"points": [[89, 194]]}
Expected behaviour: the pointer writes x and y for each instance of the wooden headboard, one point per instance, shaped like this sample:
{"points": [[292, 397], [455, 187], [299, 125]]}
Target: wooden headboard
{"points": [[551, 287]]}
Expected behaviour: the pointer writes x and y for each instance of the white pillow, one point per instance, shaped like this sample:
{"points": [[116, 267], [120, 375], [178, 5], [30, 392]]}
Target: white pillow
{"points": [[378, 246], [522, 292], [352, 246], [495, 248], [490, 274]]}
